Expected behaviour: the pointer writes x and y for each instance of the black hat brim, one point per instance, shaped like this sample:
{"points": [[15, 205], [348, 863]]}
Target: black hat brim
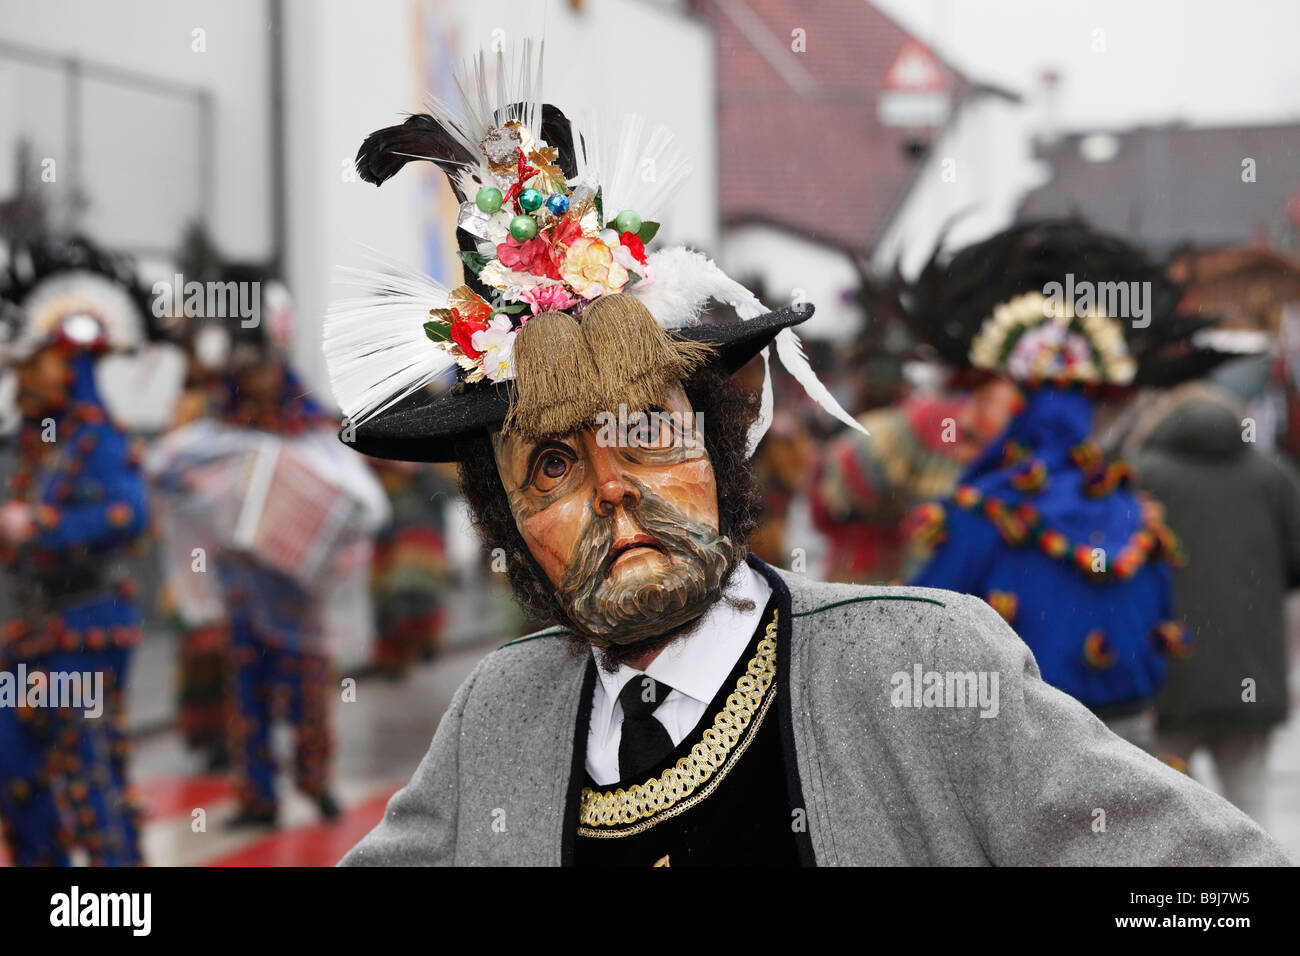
{"points": [[427, 427]]}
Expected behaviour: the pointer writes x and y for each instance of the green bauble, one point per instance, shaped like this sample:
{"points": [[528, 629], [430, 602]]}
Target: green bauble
{"points": [[627, 221], [530, 199], [488, 199], [523, 228]]}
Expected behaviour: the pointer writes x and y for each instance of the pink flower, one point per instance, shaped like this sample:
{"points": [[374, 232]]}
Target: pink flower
{"points": [[534, 256], [548, 298]]}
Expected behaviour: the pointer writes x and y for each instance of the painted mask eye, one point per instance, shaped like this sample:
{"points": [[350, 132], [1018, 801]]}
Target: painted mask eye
{"points": [[654, 430], [551, 468]]}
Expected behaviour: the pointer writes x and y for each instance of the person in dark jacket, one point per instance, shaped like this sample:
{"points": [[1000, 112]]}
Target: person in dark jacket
{"points": [[1237, 513]]}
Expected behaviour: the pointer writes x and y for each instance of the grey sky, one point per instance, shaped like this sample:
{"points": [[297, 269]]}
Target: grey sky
{"points": [[1203, 61]]}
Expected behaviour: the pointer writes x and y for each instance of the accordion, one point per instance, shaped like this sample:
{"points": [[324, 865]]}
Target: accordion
{"points": [[290, 515]]}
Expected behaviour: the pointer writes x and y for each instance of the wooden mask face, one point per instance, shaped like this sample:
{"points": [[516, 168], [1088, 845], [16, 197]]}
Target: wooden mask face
{"points": [[622, 517]]}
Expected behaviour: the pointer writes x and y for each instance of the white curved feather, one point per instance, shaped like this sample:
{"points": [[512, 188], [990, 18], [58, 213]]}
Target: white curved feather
{"points": [[789, 351], [641, 170], [684, 281], [480, 105], [375, 346], [765, 409]]}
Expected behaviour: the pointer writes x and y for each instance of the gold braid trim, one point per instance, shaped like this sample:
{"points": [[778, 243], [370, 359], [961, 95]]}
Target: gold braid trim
{"points": [[679, 787]]}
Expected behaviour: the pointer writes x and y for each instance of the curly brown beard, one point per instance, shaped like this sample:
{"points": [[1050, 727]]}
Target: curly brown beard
{"points": [[618, 613]]}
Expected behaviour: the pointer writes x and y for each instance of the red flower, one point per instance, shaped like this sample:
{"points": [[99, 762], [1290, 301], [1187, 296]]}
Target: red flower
{"points": [[533, 256], [462, 330], [566, 232], [634, 246]]}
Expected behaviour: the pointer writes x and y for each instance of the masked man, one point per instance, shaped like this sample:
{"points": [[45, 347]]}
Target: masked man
{"points": [[74, 506], [691, 705]]}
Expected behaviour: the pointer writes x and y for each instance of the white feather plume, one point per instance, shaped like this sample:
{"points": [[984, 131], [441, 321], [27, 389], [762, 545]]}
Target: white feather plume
{"points": [[685, 280], [765, 409], [375, 346], [480, 105], [639, 170]]}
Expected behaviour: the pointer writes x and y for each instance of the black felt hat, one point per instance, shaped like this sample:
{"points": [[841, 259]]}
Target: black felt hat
{"points": [[426, 427]]}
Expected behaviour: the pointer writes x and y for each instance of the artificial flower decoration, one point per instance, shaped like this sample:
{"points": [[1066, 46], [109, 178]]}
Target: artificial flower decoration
{"points": [[1036, 339], [632, 242], [536, 256], [548, 298], [462, 333], [542, 246], [590, 270], [496, 346]]}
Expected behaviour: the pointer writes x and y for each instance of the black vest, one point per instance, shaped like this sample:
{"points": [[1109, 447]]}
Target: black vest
{"points": [[727, 802]]}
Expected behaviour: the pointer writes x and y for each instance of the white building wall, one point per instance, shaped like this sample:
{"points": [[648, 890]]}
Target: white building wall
{"points": [[795, 269], [143, 170], [973, 178]]}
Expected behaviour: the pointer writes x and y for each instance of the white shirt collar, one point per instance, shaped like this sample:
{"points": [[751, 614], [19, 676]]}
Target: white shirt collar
{"points": [[697, 664]]}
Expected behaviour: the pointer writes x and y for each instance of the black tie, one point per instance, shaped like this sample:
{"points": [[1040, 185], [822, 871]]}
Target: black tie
{"points": [[645, 742]]}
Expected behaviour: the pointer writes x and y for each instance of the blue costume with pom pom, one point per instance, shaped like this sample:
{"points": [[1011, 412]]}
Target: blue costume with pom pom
{"points": [[63, 769], [1077, 563]]}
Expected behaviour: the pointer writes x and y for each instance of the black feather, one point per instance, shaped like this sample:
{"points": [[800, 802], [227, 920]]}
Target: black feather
{"points": [[557, 131], [386, 151]]}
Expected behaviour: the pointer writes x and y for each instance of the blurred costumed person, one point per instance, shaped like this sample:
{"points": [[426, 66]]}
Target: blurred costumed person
{"points": [[1236, 510], [688, 704], [190, 601], [74, 507], [864, 486], [1040, 526], [290, 516], [409, 578], [921, 432]]}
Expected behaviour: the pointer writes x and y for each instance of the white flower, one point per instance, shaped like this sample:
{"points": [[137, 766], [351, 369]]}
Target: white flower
{"points": [[497, 229], [494, 228], [512, 283], [623, 256], [497, 343]]}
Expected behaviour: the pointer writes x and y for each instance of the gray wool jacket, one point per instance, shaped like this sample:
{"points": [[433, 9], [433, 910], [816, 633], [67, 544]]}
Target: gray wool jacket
{"points": [[1039, 780]]}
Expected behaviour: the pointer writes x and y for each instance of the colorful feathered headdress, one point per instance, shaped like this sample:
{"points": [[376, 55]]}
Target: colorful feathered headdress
{"points": [[1055, 302], [565, 308], [71, 291]]}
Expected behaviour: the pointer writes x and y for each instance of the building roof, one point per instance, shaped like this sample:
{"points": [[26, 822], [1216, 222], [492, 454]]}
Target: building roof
{"points": [[1169, 185], [1248, 286], [801, 146]]}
